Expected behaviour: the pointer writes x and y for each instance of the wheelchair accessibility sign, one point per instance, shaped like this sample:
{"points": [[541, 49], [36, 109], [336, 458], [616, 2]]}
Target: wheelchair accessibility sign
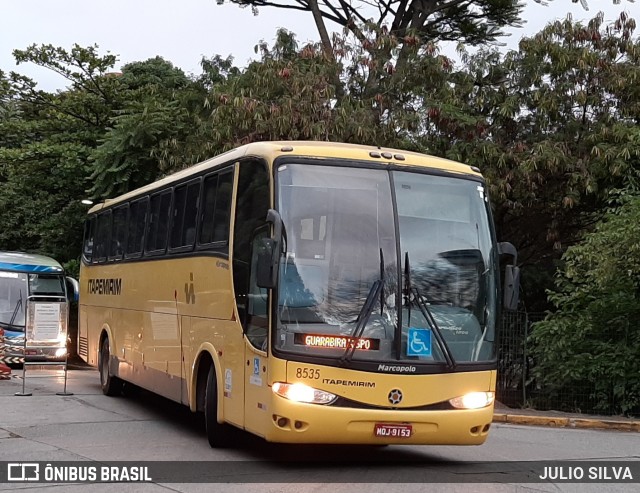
{"points": [[419, 342]]}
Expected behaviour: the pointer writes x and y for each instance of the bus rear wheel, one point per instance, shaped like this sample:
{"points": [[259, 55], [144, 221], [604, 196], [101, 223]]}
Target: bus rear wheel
{"points": [[110, 385], [217, 433]]}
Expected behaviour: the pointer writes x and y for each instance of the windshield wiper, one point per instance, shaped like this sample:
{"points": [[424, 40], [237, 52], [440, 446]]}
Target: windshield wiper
{"points": [[413, 294], [376, 290], [363, 318], [15, 310]]}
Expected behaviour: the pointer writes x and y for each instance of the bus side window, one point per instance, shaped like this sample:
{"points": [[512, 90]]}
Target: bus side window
{"points": [[102, 237], [118, 232], [157, 228], [223, 206], [184, 216], [136, 227], [208, 209], [89, 229], [216, 203]]}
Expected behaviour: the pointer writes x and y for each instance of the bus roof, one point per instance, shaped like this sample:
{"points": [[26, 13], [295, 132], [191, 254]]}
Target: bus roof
{"points": [[28, 262], [316, 149]]}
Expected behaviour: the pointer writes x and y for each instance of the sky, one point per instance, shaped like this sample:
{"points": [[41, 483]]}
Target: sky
{"points": [[183, 31]]}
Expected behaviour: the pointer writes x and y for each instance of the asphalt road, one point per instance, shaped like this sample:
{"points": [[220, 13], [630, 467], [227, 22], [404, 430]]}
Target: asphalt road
{"points": [[88, 426]]}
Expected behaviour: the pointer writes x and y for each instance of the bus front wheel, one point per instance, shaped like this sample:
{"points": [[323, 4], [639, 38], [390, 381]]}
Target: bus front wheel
{"points": [[217, 433], [110, 385]]}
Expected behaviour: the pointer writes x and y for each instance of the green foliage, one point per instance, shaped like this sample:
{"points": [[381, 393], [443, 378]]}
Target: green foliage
{"points": [[155, 108], [101, 136], [593, 336], [553, 126], [289, 94], [44, 143]]}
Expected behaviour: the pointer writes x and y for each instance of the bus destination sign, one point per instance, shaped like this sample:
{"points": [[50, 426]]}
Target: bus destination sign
{"points": [[336, 342]]}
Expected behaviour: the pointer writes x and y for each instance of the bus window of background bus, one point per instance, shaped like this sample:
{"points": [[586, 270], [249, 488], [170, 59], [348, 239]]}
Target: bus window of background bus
{"points": [[157, 229], [251, 210], [46, 285], [118, 232], [184, 216], [135, 228]]}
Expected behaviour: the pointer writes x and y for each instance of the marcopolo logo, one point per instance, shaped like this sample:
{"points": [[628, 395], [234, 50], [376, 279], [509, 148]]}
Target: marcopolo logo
{"points": [[397, 368]]}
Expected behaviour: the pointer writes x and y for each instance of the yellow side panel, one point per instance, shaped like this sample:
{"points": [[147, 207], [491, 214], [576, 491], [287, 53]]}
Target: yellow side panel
{"points": [[143, 303], [258, 390]]}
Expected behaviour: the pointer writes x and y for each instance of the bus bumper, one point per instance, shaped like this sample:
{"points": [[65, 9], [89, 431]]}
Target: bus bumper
{"points": [[293, 422], [15, 352]]}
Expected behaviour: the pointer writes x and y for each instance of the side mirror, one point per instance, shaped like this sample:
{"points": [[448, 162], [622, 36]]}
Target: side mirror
{"points": [[511, 277], [265, 275], [269, 254], [73, 289]]}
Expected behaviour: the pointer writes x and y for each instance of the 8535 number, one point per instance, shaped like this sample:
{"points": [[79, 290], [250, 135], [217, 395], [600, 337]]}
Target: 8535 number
{"points": [[309, 373]]}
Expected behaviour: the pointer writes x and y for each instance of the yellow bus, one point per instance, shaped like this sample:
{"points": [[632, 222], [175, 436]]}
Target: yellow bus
{"points": [[306, 292]]}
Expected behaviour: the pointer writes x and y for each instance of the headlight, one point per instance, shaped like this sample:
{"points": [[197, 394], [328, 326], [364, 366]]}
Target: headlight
{"points": [[61, 352], [300, 392], [473, 400]]}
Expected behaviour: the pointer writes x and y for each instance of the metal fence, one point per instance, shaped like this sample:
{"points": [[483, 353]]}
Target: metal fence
{"points": [[517, 386], [514, 363]]}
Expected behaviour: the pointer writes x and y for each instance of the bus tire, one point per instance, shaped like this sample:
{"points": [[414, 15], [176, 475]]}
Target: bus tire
{"points": [[110, 385], [217, 433]]}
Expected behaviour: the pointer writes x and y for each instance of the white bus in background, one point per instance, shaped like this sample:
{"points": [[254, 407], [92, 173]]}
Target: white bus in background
{"points": [[25, 279]]}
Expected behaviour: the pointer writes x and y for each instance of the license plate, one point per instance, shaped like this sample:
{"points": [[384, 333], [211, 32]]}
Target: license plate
{"points": [[392, 431]]}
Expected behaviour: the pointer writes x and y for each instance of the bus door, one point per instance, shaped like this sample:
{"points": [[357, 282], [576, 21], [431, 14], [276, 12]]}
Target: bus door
{"points": [[249, 228], [257, 391]]}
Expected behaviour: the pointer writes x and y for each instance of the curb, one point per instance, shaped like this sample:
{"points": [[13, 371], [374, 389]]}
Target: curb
{"points": [[561, 422]]}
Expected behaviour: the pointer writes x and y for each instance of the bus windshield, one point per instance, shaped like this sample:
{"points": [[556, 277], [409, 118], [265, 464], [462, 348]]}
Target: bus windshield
{"points": [[426, 238], [16, 287], [13, 297]]}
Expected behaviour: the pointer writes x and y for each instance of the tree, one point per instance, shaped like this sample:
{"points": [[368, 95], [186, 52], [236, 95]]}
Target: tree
{"points": [[159, 103], [592, 338], [58, 148], [553, 126], [550, 155], [289, 94], [469, 21], [44, 146], [406, 23]]}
